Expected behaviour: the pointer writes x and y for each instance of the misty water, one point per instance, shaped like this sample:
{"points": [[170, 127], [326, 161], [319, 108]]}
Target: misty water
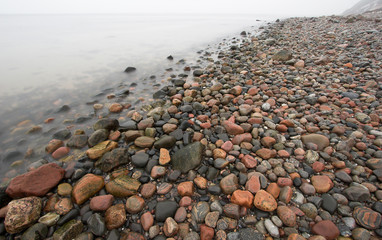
{"points": [[50, 61]]}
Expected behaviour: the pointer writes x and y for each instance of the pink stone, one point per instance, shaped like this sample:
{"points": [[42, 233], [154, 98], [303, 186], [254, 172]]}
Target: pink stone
{"points": [[101, 203], [60, 152]]}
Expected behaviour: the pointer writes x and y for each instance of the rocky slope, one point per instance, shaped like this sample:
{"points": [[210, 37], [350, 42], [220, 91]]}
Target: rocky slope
{"points": [[364, 6], [279, 137]]}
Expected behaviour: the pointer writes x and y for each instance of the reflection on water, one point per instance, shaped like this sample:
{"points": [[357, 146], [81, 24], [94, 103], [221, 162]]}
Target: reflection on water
{"points": [[48, 61]]}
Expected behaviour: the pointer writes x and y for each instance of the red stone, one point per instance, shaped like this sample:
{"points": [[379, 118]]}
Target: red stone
{"points": [[266, 153], [186, 189], [287, 216], [242, 198], [265, 201], [282, 182], [206, 233], [249, 161], [318, 166], [37, 182], [326, 229], [60, 152], [253, 184], [322, 183], [147, 220], [101, 203], [232, 128], [245, 137], [268, 141], [283, 153], [227, 146]]}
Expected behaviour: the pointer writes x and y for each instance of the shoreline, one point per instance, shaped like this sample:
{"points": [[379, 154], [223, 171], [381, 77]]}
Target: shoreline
{"points": [[279, 137]]}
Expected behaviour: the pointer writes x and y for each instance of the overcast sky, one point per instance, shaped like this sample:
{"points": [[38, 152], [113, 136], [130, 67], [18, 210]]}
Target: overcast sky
{"points": [[277, 7]]}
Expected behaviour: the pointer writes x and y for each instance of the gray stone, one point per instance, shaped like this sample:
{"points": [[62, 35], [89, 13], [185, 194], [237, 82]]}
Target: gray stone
{"points": [[283, 55], [329, 203], [36, 232], [96, 224], [165, 209], [165, 142], [200, 211], [113, 159], [188, 158], [357, 193], [271, 228], [250, 233], [98, 136]]}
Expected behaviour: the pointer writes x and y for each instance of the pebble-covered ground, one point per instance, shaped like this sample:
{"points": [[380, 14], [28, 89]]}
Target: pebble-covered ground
{"points": [[278, 138]]}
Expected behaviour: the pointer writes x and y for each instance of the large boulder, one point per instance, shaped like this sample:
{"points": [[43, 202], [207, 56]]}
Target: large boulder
{"points": [[188, 157], [37, 182], [22, 213]]}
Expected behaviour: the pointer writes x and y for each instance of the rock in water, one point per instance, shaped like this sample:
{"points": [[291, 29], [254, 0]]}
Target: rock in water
{"points": [[37, 182], [130, 69], [188, 157], [22, 213], [37, 231], [106, 123]]}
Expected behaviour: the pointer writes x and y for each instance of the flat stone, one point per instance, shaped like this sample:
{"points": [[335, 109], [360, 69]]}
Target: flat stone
{"points": [[144, 142], [106, 123], [367, 218], [320, 140], [147, 220], [36, 232], [68, 231], [96, 224], [100, 149], [232, 210], [322, 183], [374, 163], [140, 159], [22, 213], [170, 227], [165, 209], [186, 189], [49, 219], [87, 187], [165, 141], [101, 203], [329, 203], [36, 182], [123, 186], [357, 193], [113, 159], [265, 201], [327, 229], [188, 158]]}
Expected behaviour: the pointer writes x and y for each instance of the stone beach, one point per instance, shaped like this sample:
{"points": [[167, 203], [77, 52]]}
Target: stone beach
{"points": [[275, 135]]}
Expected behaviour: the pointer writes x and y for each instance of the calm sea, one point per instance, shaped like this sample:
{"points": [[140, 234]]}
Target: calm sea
{"points": [[48, 61]]}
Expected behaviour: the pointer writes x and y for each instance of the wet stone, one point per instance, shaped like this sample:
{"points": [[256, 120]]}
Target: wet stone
{"points": [[194, 153], [69, 231], [96, 224], [367, 218], [200, 211], [356, 193], [165, 209], [140, 159]]}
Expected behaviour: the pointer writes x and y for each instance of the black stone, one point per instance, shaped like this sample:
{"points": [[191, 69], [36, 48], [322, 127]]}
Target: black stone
{"points": [[140, 159], [329, 203], [165, 209], [72, 214]]}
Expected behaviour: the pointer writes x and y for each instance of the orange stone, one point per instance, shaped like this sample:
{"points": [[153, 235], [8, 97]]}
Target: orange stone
{"points": [[242, 198], [274, 190], [265, 201], [287, 216], [219, 153], [253, 184], [164, 156], [322, 183], [186, 189], [87, 187]]}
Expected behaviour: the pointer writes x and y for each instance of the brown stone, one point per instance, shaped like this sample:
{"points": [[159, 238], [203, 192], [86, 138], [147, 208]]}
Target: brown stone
{"points": [[274, 190], [180, 214], [229, 184], [320, 140], [158, 171], [327, 229], [206, 233], [164, 188], [135, 204], [186, 189], [132, 236], [100, 149], [115, 216], [219, 153], [123, 186], [101, 203], [50, 203], [22, 213], [148, 190], [322, 183], [63, 206], [64, 189], [266, 153], [242, 198], [53, 145], [170, 227], [245, 137], [265, 201], [201, 182], [115, 108], [287, 216], [87, 187], [147, 220], [144, 142], [249, 161], [268, 141], [164, 156], [232, 128], [232, 210], [36, 182]]}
